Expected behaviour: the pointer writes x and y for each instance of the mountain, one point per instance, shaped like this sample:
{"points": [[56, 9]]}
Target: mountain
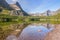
{"points": [[58, 11], [46, 13], [51, 13], [15, 9]]}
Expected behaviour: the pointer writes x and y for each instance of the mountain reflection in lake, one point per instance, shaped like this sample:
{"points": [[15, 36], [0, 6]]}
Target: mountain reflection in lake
{"points": [[34, 32]]}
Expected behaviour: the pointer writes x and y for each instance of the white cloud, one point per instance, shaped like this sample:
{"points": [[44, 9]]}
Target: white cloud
{"points": [[13, 0]]}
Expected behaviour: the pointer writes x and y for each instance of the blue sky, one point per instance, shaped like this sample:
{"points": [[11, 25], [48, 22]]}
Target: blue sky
{"points": [[39, 6]]}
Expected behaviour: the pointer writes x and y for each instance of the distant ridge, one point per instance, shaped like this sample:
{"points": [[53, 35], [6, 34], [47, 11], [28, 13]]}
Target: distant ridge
{"points": [[46, 13]]}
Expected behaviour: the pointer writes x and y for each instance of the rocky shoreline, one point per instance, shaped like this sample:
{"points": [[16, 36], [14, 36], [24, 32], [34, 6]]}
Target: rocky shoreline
{"points": [[55, 34]]}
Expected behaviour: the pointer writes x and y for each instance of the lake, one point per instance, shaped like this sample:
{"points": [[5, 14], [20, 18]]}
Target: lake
{"points": [[33, 32]]}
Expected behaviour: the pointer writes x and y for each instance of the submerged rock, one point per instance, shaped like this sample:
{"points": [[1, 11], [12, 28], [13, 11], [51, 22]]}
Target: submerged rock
{"points": [[11, 37]]}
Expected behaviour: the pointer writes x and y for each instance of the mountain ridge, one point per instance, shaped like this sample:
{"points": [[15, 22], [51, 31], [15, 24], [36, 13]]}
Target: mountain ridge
{"points": [[46, 13]]}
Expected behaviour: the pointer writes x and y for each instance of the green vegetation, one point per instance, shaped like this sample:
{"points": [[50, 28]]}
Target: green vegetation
{"points": [[7, 19], [4, 32]]}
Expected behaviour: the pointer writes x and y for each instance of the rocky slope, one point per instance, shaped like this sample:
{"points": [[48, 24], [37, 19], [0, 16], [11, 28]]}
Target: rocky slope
{"points": [[17, 10]]}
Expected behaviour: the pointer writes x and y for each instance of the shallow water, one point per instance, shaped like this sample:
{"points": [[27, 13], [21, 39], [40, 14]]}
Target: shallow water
{"points": [[33, 32]]}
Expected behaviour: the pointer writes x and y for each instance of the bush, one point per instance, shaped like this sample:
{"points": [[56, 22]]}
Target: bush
{"points": [[0, 9]]}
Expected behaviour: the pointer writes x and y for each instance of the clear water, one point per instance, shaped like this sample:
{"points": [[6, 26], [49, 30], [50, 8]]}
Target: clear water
{"points": [[33, 32]]}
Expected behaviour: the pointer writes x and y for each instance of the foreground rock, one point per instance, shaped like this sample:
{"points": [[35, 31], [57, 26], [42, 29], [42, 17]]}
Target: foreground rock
{"points": [[55, 34]]}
